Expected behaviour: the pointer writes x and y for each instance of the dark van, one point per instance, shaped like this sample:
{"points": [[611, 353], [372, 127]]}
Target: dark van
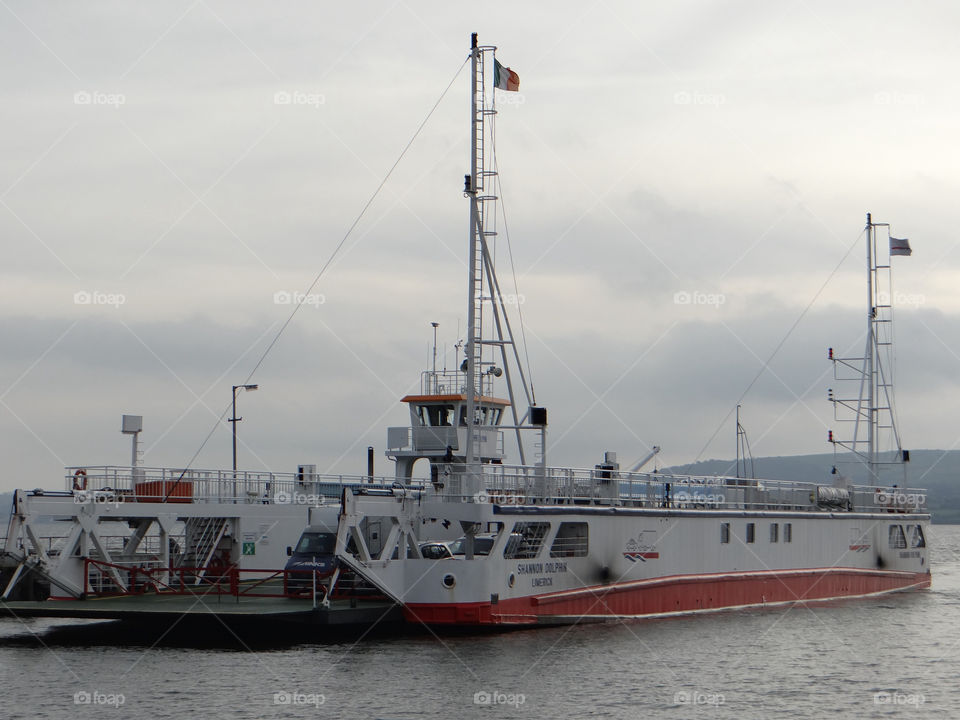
{"points": [[314, 553]]}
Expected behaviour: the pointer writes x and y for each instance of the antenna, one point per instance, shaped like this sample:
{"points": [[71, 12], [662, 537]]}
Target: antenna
{"points": [[435, 326], [743, 449], [738, 440]]}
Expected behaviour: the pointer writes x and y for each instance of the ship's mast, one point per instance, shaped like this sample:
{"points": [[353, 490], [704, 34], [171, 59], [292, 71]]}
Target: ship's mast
{"points": [[480, 187], [474, 322], [870, 365], [872, 410]]}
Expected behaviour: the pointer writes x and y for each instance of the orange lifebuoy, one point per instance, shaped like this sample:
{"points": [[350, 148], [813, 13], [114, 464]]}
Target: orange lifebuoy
{"points": [[80, 479]]}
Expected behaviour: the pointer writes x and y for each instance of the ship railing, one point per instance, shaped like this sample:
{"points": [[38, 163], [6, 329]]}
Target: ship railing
{"points": [[434, 439], [139, 578], [400, 438], [520, 485], [889, 498], [108, 483], [150, 544], [451, 382]]}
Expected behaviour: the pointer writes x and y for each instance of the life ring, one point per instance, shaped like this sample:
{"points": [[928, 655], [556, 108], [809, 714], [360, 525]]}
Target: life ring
{"points": [[80, 479]]}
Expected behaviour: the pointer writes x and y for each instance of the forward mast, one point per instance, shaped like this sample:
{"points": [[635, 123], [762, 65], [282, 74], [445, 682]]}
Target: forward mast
{"points": [[457, 419]]}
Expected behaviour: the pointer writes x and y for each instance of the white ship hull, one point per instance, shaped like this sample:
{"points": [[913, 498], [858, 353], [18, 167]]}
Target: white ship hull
{"points": [[641, 562]]}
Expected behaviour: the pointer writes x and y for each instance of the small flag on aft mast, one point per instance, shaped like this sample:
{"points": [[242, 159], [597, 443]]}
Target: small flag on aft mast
{"points": [[900, 246], [505, 78]]}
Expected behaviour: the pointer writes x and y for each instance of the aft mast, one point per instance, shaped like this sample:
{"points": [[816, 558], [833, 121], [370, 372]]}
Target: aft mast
{"points": [[872, 412]]}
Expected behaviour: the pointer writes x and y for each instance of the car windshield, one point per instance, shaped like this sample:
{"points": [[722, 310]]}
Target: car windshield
{"points": [[317, 543], [435, 551], [481, 546]]}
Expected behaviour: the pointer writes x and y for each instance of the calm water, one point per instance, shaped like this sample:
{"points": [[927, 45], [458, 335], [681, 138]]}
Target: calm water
{"points": [[898, 656]]}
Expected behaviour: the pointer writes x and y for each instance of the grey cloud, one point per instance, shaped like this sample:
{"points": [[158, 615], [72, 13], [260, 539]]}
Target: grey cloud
{"points": [[743, 197]]}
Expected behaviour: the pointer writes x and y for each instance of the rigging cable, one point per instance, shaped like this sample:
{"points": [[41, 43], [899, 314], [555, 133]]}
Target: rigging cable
{"points": [[330, 260], [780, 345]]}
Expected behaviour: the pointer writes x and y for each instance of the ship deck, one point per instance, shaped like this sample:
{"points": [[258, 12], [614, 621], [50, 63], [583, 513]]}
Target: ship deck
{"points": [[342, 612]]}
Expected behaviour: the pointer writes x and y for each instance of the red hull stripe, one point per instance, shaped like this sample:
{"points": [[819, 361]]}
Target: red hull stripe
{"points": [[672, 595]]}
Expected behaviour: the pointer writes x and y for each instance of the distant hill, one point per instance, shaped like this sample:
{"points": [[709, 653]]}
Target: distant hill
{"points": [[936, 470]]}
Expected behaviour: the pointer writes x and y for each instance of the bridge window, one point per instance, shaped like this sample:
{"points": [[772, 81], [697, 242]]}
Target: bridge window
{"points": [[438, 415], [774, 532], [897, 539], [526, 540], [916, 536], [788, 532], [724, 533], [484, 415], [751, 532], [572, 540]]}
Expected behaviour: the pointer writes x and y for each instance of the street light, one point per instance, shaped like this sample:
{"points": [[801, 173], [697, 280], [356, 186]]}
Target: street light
{"points": [[235, 420]]}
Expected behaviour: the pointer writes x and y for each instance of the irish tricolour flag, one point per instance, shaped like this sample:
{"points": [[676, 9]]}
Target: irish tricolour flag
{"points": [[504, 78]]}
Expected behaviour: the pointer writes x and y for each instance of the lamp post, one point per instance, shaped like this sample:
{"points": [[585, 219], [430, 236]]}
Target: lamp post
{"points": [[235, 420]]}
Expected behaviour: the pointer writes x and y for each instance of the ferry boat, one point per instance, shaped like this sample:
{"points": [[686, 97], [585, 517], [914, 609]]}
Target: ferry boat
{"points": [[564, 545], [479, 541]]}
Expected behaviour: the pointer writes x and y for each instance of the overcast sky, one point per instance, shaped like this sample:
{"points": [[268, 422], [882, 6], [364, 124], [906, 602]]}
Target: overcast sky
{"points": [[728, 151]]}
